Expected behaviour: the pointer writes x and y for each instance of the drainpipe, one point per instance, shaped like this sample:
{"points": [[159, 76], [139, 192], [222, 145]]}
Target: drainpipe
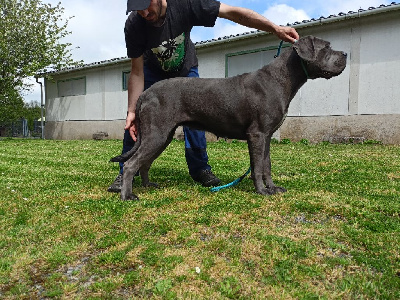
{"points": [[41, 106]]}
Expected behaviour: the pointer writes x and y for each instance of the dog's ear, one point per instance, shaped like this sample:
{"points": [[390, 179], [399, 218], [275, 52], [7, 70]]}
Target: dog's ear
{"points": [[305, 48], [308, 47]]}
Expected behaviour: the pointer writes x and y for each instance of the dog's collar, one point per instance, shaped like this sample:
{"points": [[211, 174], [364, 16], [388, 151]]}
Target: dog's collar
{"points": [[303, 65]]}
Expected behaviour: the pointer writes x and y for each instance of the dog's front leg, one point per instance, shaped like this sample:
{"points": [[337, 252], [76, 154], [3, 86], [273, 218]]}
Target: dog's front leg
{"points": [[271, 187], [256, 144]]}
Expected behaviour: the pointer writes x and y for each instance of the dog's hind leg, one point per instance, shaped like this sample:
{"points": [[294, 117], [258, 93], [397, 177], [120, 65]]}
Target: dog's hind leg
{"points": [[144, 174], [151, 147], [144, 170], [131, 166]]}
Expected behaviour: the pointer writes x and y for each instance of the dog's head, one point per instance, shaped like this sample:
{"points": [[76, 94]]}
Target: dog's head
{"points": [[319, 59]]}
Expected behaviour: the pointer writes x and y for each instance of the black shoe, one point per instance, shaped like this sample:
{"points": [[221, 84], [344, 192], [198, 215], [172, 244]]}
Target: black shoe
{"points": [[115, 187], [207, 178]]}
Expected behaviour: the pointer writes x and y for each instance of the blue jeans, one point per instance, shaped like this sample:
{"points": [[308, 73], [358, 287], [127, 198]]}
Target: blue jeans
{"points": [[195, 140]]}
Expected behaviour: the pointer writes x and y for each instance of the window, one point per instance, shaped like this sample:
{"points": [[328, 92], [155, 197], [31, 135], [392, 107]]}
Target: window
{"points": [[125, 79], [71, 87], [249, 61]]}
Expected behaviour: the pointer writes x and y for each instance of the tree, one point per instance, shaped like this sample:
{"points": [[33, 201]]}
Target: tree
{"points": [[31, 43], [11, 107]]}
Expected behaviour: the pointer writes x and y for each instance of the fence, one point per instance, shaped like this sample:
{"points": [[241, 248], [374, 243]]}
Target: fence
{"points": [[20, 128]]}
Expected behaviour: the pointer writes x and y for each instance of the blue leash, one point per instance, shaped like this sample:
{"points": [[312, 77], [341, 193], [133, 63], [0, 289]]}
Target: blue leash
{"points": [[233, 183], [279, 49], [237, 181]]}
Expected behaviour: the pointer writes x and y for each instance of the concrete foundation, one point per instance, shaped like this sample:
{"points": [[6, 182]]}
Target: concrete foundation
{"points": [[383, 128]]}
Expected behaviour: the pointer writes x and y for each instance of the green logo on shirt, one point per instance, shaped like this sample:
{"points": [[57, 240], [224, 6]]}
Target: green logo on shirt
{"points": [[170, 54]]}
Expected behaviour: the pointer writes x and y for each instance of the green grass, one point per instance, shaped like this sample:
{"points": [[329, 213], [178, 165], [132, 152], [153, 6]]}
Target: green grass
{"points": [[334, 235]]}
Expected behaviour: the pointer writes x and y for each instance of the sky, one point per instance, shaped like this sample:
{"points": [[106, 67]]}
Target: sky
{"points": [[97, 25]]}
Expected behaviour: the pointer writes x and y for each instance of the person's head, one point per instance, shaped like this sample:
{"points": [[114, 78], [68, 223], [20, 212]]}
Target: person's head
{"points": [[151, 10]]}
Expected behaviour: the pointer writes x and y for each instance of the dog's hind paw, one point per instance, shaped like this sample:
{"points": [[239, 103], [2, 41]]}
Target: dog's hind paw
{"points": [[275, 190], [130, 197], [151, 184]]}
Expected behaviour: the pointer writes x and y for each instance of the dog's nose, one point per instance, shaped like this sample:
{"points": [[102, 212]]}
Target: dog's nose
{"points": [[344, 54]]}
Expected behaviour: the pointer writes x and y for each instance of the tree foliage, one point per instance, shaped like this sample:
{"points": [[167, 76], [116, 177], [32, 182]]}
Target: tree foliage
{"points": [[31, 42], [11, 107]]}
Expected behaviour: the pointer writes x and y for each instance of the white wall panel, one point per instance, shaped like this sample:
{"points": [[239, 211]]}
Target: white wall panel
{"points": [[380, 67]]}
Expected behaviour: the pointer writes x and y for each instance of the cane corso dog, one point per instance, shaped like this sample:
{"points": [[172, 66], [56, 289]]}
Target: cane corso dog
{"points": [[248, 107]]}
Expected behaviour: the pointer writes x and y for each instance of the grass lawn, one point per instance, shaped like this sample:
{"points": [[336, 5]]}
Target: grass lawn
{"points": [[334, 235]]}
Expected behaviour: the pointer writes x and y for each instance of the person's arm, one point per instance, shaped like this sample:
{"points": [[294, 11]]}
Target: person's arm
{"points": [[135, 88], [250, 18]]}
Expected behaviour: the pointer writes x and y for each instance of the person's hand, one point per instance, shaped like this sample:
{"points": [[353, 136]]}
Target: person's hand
{"points": [[287, 34], [130, 125]]}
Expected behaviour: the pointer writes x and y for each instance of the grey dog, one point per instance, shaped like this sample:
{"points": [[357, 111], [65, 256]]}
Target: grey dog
{"points": [[248, 107]]}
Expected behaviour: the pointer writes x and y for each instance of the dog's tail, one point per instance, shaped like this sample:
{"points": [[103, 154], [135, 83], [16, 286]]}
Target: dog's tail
{"points": [[127, 155]]}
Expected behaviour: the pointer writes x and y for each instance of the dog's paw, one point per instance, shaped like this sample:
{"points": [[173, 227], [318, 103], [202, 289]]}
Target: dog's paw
{"points": [[151, 184], [275, 190], [130, 197], [263, 191]]}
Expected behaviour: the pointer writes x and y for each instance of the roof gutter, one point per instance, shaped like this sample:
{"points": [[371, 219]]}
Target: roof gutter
{"points": [[89, 66]]}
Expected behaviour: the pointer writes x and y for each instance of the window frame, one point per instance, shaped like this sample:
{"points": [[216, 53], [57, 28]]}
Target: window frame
{"points": [[69, 80]]}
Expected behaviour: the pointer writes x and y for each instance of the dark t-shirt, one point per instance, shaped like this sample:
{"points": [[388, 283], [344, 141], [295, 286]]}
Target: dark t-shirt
{"points": [[168, 49]]}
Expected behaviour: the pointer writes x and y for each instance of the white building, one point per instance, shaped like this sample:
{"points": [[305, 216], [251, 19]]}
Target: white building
{"points": [[363, 102]]}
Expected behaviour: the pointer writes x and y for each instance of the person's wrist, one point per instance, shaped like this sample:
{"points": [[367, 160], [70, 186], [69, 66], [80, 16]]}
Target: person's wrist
{"points": [[275, 29]]}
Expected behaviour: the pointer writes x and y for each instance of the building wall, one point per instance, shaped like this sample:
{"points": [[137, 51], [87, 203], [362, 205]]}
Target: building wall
{"points": [[102, 108], [362, 102], [104, 99]]}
